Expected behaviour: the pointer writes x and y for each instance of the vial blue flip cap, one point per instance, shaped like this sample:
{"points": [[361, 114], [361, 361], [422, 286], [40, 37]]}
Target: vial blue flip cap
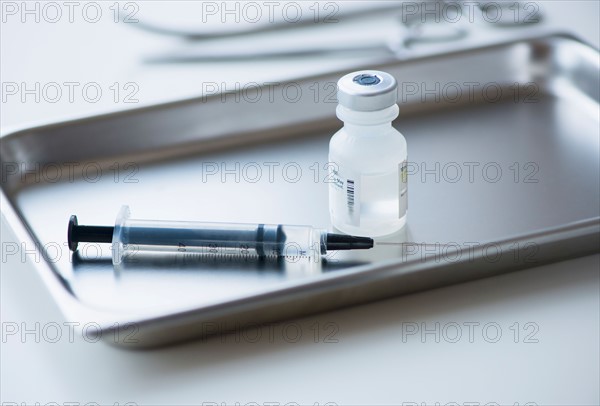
{"points": [[367, 90]]}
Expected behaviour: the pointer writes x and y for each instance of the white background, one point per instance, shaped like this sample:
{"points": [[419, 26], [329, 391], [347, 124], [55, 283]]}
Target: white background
{"points": [[372, 362]]}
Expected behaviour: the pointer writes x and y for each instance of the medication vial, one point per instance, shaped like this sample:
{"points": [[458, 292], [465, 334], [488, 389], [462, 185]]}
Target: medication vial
{"points": [[368, 176]]}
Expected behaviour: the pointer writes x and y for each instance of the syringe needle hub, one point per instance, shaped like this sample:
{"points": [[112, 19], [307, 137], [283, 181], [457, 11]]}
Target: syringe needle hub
{"points": [[347, 242]]}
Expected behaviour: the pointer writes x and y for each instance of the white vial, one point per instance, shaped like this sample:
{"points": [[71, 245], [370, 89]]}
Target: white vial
{"points": [[367, 158]]}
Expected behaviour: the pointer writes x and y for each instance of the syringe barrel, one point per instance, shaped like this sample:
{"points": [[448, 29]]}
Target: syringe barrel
{"points": [[245, 240]]}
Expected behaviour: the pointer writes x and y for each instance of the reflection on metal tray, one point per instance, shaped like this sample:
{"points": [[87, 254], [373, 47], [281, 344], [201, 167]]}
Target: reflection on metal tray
{"points": [[503, 144]]}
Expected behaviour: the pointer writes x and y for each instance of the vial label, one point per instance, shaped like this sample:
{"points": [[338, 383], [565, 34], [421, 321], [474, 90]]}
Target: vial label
{"points": [[403, 188], [346, 187], [367, 200]]}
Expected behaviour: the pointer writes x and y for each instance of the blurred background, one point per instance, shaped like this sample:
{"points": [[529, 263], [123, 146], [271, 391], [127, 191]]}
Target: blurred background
{"points": [[141, 53], [115, 43]]}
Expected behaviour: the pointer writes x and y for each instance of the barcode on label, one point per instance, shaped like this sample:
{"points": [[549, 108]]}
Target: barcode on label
{"points": [[350, 194]]}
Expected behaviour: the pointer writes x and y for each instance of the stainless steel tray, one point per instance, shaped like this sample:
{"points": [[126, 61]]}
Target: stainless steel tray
{"points": [[466, 219]]}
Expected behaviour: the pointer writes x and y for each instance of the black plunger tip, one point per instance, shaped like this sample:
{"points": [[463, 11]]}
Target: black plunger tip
{"points": [[72, 224], [348, 242]]}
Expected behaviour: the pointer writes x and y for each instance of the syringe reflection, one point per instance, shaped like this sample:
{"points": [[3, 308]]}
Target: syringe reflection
{"points": [[149, 262]]}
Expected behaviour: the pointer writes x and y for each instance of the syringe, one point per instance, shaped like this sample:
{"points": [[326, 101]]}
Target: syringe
{"points": [[261, 240]]}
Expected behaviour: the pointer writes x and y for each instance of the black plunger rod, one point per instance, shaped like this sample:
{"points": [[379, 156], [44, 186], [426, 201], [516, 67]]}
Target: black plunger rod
{"points": [[77, 233]]}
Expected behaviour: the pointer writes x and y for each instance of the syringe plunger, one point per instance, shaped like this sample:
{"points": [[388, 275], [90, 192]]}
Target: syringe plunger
{"points": [[263, 240]]}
